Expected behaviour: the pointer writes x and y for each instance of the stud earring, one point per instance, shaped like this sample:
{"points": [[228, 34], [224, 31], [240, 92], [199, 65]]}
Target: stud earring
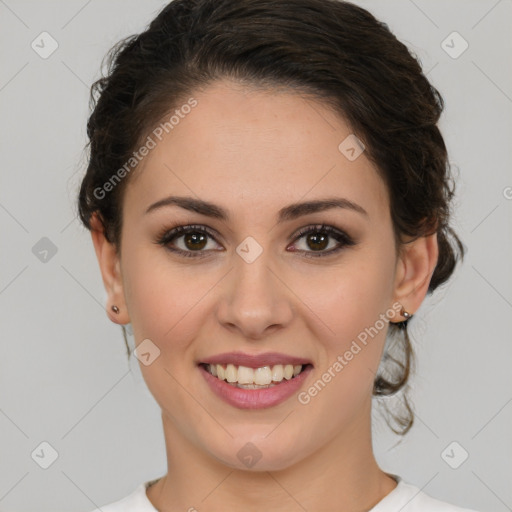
{"points": [[405, 314], [115, 309]]}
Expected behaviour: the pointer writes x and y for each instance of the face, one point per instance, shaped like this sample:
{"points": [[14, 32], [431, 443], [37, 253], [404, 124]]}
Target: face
{"points": [[254, 274]]}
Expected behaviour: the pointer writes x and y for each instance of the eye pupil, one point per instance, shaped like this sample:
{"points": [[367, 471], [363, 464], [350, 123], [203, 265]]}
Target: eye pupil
{"points": [[318, 241], [194, 239]]}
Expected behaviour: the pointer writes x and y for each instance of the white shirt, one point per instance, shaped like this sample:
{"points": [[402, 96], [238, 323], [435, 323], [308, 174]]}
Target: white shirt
{"points": [[403, 498]]}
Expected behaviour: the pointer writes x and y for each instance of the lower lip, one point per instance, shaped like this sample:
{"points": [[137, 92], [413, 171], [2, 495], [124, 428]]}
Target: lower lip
{"points": [[255, 398]]}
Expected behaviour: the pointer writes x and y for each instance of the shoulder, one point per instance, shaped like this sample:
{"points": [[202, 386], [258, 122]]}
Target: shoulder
{"points": [[136, 501], [409, 498]]}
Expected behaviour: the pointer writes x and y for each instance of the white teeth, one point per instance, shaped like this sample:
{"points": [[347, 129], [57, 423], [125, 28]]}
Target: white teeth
{"points": [[252, 378], [277, 373], [262, 375], [245, 375], [231, 373]]}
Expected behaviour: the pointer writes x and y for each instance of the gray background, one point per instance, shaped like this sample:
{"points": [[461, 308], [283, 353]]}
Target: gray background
{"points": [[64, 376]]}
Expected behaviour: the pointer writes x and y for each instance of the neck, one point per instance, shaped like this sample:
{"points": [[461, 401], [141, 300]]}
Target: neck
{"points": [[342, 475]]}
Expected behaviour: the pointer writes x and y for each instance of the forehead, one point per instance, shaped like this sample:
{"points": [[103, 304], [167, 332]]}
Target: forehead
{"points": [[254, 150]]}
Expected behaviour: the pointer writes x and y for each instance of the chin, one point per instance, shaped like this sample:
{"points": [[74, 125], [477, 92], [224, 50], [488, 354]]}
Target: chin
{"points": [[260, 452]]}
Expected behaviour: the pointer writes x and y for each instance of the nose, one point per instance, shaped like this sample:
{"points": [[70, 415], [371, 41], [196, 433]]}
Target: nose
{"points": [[254, 299]]}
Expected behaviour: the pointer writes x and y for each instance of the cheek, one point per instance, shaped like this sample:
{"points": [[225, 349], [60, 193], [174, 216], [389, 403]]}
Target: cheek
{"points": [[351, 296], [350, 303], [159, 293], [165, 307]]}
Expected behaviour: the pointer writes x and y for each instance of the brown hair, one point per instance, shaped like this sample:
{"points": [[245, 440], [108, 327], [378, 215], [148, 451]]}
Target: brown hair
{"points": [[332, 50]]}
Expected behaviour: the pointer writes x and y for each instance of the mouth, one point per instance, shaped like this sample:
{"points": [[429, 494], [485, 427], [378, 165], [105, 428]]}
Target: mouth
{"points": [[262, 377], [260, 381]]}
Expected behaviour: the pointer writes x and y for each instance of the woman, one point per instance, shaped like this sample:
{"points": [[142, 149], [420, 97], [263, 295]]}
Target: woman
{"points": [[268, 195]]}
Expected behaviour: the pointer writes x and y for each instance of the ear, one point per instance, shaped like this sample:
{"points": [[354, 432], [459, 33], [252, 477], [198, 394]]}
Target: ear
{"points": [[416, 264], [110, 267]]}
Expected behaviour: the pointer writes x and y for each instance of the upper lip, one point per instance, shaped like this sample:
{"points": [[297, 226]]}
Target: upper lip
{"points": [[254, 360]]}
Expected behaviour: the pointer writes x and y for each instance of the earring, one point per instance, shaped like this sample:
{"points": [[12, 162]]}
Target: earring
{"points": [[115, 309], [405, 314]]}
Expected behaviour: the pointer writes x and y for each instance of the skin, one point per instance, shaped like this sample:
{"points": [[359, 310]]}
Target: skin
{"points": [[254, 152]]}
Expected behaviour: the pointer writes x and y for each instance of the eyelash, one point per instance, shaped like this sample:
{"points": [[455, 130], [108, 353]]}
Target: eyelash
{"points": [[173, 233]]}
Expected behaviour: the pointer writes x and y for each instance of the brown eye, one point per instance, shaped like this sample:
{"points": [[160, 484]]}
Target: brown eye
{"points": [[195, 241], [189, 241], [322, 240], [317, 242]]}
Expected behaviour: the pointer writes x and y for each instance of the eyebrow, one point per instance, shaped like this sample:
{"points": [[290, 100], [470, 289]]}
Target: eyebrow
{"points": [[287, 213]]}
